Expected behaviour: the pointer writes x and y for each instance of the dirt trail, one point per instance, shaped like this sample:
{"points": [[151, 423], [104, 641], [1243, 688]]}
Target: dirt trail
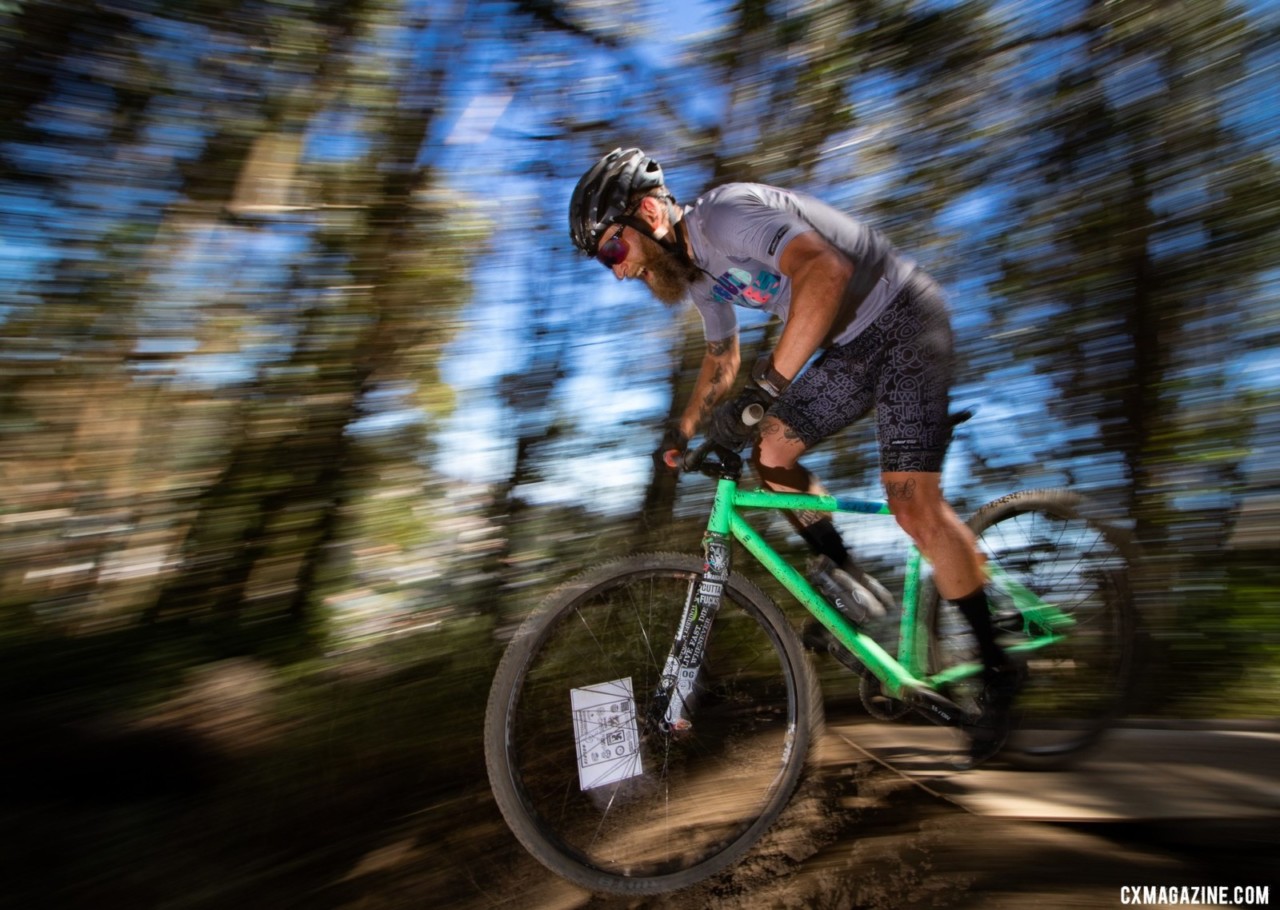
{"points": [[186, 812], [856, 836]]}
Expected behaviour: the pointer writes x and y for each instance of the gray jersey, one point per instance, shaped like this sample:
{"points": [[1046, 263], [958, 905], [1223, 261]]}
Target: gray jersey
{"points": [[738, 233]]}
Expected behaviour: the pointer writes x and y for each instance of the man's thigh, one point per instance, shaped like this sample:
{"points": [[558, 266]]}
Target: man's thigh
{"points": [[913, 390], [902, 366], [838, 389]]}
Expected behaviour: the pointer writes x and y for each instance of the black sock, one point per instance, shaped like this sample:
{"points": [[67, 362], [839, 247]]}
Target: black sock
{"points": [[976, 611], [823, 539]]}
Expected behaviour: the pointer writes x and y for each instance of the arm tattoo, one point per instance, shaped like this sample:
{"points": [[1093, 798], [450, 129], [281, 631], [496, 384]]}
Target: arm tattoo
{"points": [[705, 406], [708, 402], [905, 489], [719, 378]]}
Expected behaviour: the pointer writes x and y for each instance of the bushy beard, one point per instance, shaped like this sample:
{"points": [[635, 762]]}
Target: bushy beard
{"points": [[669, 275]]}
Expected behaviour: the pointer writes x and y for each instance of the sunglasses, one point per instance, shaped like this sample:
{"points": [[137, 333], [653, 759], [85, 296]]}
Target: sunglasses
{"points": [[614, 250]]}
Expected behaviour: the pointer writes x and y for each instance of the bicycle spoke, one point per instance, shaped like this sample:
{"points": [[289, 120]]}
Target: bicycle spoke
{"points": [[685, 803], [1078, 683]]}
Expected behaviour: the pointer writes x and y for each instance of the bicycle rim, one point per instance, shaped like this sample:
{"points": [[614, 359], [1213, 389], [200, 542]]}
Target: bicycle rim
{"points": [[584, 774], [1076, 687]]}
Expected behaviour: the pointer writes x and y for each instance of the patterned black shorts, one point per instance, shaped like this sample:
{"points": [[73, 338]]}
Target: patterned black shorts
{"points": [[902, 365]]}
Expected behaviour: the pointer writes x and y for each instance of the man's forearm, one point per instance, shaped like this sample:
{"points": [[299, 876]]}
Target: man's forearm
{"points": [[719, 368]]}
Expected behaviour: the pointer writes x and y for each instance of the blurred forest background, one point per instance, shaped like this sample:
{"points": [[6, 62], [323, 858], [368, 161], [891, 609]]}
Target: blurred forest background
{"points": [[303, 381]]}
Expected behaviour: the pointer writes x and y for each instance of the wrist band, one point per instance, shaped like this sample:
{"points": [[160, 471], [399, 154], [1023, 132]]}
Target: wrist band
{"points": [[768, 378]]}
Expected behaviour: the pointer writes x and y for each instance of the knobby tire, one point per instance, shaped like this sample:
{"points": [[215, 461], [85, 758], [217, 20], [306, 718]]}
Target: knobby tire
{"points": [[1078, 687], [695, 802]]}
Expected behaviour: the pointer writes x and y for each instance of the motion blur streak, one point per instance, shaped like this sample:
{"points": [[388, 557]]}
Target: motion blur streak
{"points": [[305, 398]]}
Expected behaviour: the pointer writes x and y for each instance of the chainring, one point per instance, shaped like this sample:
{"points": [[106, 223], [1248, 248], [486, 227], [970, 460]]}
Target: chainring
{"points": [[878, 704]]}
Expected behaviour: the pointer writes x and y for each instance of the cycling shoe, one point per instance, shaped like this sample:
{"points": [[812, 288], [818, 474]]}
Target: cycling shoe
{"points": [[990, 729]]}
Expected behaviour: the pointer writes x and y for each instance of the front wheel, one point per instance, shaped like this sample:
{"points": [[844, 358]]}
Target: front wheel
{"points": [[583, 769], [1045, 541]]}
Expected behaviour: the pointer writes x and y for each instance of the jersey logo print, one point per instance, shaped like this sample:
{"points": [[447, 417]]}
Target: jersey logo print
{"points": [[777, 238], [736, 286], [762, 289], [729, 285]]}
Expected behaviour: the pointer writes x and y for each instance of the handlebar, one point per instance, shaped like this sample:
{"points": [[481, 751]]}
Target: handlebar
{"points": [[728, 461]]}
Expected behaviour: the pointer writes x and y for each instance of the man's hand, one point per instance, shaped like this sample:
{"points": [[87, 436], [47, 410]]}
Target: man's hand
{"points": [[727, 428], [671, 450]]}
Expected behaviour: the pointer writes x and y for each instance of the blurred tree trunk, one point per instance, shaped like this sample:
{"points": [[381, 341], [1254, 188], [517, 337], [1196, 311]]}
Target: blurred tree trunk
{"points": [[321, 452], [658, 506], [1142, 244], [87, 316], [1137, 315], [275, 489]]}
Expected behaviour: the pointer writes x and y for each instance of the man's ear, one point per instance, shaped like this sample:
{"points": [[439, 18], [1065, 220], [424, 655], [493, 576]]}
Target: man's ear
{"points": [[653, 210]]}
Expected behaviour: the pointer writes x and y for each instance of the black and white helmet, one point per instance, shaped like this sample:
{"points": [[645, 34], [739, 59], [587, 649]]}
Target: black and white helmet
{"points": [[604, 191]]}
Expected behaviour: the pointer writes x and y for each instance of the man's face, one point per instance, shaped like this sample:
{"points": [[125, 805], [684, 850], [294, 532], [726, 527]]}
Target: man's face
{"points": [[668, 277]]}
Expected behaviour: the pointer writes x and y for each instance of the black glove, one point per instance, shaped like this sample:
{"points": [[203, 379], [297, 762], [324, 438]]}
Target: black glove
{"points": [[727, 428], [671, 450]]}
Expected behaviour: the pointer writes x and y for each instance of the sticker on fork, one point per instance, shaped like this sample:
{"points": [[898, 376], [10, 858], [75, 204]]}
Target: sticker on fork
{"points": [[604, 728]]}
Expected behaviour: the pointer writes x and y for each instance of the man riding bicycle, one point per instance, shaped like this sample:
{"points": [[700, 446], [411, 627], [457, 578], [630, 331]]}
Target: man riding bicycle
{"points": [[839, 287]]}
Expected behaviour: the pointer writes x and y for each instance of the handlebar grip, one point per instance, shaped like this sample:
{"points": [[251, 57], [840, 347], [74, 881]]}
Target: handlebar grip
{"points": [[752, 414], [694, 457]]}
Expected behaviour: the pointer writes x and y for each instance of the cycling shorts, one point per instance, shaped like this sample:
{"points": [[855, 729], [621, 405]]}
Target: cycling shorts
{"points": [[902, 365]]}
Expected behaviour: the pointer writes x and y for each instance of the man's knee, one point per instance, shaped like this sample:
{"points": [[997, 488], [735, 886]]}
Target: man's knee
{"points": [[917, 503], [778, 472], [776, 456], [912, 519]]}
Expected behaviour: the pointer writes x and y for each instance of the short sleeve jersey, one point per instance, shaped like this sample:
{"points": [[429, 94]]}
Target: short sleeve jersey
{"points": [[738, 233]]}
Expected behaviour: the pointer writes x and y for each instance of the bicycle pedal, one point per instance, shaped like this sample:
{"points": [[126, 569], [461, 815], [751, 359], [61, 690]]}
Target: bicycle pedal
{"points": [[816, 638], [981, 749]]}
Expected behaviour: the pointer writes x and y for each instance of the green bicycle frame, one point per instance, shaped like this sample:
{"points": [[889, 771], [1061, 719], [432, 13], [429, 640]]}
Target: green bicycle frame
{"points": [[1045, 623]]}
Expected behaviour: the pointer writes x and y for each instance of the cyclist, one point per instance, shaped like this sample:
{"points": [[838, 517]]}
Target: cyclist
{"points": [[841, 288]]}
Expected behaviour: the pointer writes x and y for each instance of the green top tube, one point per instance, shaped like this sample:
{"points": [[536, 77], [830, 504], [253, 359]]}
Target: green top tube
{"points": [[765, 499]]}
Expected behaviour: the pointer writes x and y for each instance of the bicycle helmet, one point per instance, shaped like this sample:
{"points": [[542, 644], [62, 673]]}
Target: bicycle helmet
{"points": [[603, 193]]}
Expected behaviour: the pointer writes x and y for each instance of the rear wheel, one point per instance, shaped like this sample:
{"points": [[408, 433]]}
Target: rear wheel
{"points": [[584, 773], [1078, 686]]}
